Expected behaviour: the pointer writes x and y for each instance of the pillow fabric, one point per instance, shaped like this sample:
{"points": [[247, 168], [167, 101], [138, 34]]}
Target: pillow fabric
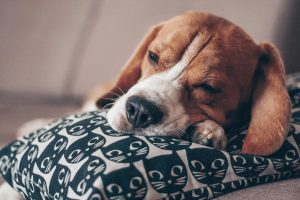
{"points": [[81, 157]]}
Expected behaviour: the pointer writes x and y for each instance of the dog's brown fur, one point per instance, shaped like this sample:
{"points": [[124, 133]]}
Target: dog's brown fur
{"points": [[251, 77]]}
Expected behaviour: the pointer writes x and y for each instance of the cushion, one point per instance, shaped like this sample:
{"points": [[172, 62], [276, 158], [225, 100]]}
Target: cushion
{"points": [[80, 157]]}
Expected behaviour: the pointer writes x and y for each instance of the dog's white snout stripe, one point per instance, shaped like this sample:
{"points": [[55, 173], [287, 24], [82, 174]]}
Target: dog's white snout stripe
{"points": [[190, 53]]}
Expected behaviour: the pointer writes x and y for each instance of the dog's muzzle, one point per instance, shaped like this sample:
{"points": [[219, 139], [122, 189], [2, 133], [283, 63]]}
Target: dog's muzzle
{"points": [[141, 113]]}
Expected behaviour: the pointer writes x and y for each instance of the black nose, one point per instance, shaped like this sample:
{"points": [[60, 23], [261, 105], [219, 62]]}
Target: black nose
{"points": [[142, 113]]}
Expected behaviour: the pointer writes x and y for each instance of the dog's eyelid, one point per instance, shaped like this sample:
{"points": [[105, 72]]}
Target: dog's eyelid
{"points": [[153, 57], [208, 88]]}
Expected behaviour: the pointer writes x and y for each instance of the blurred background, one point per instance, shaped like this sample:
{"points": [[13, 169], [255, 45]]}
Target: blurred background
{"points": [[52, 53]]}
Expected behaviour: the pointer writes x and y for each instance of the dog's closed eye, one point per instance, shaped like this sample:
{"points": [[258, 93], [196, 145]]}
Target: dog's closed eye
{"points": [[208, 88]]}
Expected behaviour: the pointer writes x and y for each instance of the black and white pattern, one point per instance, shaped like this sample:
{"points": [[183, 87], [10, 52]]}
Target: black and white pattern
{"points": [[81, 157]]}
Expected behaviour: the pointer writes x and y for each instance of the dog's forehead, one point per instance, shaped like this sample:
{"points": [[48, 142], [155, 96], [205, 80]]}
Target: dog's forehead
{"points": [[177, 34], [179, 31], [227, 46]]}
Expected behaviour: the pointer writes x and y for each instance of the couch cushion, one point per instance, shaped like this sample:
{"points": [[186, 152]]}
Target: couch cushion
{"points": [[80, 157]]}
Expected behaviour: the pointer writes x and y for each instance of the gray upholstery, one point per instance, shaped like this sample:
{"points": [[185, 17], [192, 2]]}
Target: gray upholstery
{"points": [[282, 190]]}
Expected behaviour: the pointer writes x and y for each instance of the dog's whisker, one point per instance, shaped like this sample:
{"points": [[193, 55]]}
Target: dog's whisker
{"points": [[185, 134], [107, 105], [118, 95], [111, 99], [167, 125], [172, 121], [120, 90], [110, 103]]}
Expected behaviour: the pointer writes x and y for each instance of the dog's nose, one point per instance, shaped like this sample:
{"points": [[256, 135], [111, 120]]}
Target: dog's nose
{"points": [[142, 113]]}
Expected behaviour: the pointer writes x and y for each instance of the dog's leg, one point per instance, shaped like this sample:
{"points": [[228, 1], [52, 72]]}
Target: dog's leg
{"points": [[8, 193], [207, 132]]}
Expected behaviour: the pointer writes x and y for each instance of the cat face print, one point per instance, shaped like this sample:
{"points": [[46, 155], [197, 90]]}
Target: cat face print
{"points": [[97, 195], [235, 139], [61, 180], [55, 127], [107, 130], [290, 161], [296, 117], [29, 157], [248, 166], [60, 123], [85, 126], [34, 134], [87, 174], [126, 183], [296, 135], [84, 147], [47, 161], [198, 194], [218, 189], [127, 150], [169, 176], [169, 143], [295, 96], [17, 147], [208, 166]]}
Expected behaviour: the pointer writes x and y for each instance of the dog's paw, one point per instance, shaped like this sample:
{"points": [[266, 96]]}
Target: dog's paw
{"points": [[209, 132]]}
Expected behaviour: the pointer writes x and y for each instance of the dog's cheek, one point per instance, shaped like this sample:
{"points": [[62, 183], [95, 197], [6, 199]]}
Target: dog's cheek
{"points": [[112, 120]]}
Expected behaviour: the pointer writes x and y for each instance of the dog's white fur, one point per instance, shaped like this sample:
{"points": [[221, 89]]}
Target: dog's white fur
{"points": [[164, 90]]}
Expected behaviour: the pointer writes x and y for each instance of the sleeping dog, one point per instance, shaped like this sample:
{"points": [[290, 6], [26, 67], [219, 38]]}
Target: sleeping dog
{"points": [[199, 70]]}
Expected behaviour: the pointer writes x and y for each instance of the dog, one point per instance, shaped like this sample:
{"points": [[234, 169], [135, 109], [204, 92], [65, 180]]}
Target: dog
{"points": [[202, 71]]}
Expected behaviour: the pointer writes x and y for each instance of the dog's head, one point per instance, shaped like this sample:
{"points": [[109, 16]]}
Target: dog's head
{"points": [[198, 66]]}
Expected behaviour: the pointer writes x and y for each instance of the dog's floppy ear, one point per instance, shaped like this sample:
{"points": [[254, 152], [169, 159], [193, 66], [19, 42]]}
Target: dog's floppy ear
{"points": [[131, 72], [271, 107]]}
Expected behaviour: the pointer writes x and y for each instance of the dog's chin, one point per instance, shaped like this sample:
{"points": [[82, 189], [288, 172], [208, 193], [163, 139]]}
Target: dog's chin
{"points": [[167, 127], [154, 130]]}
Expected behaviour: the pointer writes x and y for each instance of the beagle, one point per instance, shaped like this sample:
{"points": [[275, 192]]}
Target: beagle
{"points": [[202, 71]]}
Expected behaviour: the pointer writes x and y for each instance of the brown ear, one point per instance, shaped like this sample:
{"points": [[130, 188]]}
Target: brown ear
{"points": [[131, 72], [271, 107]]}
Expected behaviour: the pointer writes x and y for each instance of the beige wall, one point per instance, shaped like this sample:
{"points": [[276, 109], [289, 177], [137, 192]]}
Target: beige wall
{"points": [[65, 47], [37, 42]]}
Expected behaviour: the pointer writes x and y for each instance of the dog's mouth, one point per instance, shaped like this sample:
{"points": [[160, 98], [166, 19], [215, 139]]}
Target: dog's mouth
{"points": [[151, 121]]}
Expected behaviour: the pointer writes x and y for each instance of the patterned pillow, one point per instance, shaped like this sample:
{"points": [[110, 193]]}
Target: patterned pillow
{"points": [[81, 157]]}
